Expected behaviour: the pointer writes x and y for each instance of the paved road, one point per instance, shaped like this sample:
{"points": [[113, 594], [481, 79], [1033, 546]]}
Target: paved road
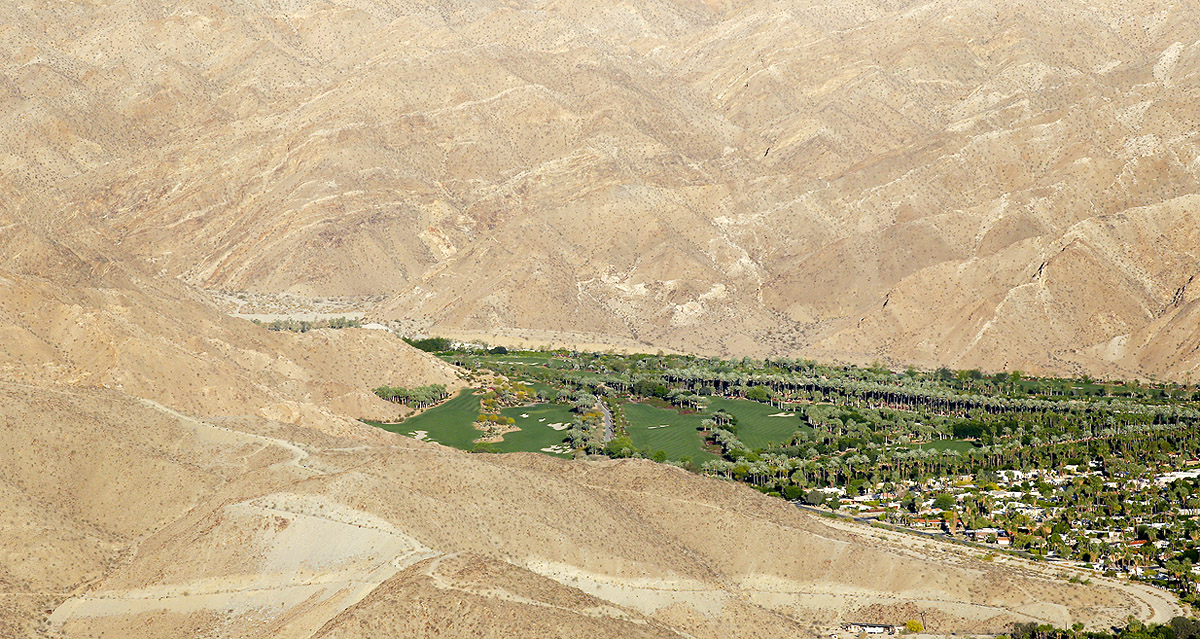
{"points": [[609, 432]]}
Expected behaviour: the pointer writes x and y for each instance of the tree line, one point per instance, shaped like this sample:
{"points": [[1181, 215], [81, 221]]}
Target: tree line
{"points": [[419, 397]]}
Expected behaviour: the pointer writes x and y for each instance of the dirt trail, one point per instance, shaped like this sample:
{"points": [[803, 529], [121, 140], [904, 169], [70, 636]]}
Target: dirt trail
{"points": [[1163, 607], [494, 592], [228, 434], [366, 554]]}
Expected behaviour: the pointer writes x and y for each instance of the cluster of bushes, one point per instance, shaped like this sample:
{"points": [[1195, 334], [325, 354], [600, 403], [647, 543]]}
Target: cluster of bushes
{"points": [[1177, 628], [508, 393], [441, 345], [622, 446], [495, 419], [492, 424], [304, 326], [430, 344], [418, 397]]}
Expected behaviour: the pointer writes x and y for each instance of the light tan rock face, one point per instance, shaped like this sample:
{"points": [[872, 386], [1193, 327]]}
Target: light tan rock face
{"points": [[998, 184]]}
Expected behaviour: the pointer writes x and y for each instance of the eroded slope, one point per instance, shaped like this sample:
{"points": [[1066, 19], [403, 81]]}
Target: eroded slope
{"points": [[1005, 185]]}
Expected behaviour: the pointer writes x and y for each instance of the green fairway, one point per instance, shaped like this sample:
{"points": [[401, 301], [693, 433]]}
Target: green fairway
{"points": [[451, 423], [758, 424], [538, 386], [543, 426], [666, 430]]}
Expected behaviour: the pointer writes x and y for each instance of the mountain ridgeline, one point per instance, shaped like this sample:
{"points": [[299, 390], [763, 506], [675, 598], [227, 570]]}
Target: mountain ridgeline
{"points": [[971, 183]]}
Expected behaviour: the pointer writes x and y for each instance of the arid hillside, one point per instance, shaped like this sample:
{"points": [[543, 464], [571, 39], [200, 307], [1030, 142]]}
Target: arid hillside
{"points": [[1003, 184], [75, 311], [137, 521], [753, 178], [167, 471]]}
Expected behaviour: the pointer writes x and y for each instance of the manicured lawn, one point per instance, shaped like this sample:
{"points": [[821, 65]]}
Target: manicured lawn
{"points": [[536, 432], [756, 426], [451, 424], [536, 385], [666, 430]]}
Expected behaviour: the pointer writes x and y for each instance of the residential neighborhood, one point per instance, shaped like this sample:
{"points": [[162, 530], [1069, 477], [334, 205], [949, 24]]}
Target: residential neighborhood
{"points": [[1141, 526]]}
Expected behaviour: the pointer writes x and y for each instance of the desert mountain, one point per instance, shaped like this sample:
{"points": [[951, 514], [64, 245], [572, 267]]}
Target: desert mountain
{"points": [[1000, 184], [167, 471], [685, 174], [73, 311]]}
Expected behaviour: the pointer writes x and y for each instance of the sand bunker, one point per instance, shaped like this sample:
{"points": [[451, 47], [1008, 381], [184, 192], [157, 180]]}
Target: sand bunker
{"points": [[557, 448], [558, 426], [422, 435], [656, 427], [782, 415]]}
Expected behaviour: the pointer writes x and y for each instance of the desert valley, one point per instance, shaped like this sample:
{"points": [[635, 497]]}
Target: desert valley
{"points": [[599, 319]]}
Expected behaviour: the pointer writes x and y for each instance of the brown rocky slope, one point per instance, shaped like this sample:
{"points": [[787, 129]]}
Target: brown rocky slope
{"points": [[151, 485], [1000, 184], [166, 471]]}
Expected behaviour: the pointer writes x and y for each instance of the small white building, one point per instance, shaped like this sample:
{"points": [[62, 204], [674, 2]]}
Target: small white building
{"points": [[1172, 477], [872, 628]]}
